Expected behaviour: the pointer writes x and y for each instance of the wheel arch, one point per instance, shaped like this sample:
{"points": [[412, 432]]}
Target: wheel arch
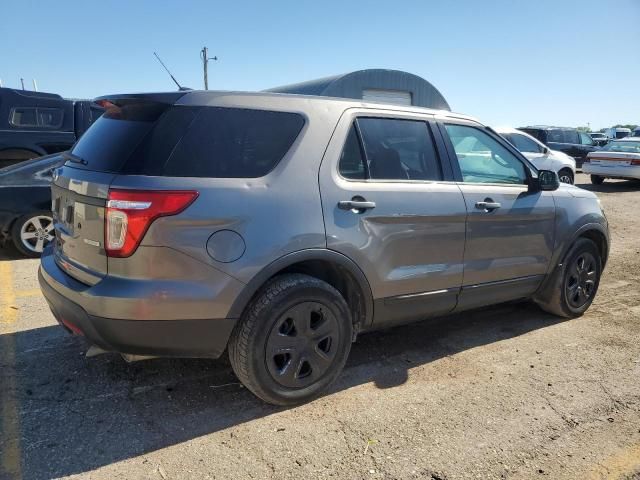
{"points": [[332, 267], [592, 231]]}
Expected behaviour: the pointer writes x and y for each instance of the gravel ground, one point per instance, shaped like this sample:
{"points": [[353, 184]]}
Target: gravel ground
{"points": [[506, 392]]}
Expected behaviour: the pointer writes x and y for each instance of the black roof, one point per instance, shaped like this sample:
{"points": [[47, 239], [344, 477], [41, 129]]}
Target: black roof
{"points": [[29, 93]]}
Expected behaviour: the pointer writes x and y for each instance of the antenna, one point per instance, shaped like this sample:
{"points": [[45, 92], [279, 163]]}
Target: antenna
{"points": [[35, 85], [172, 77]]}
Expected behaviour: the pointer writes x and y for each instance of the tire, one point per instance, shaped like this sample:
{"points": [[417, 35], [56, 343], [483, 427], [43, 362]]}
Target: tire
{"points": [[597, 179], [294, 321], [30, 233], [566, 176], [563, 302]]}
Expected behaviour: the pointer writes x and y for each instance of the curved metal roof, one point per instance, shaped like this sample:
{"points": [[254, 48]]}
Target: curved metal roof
{"points": [[351, 85]]}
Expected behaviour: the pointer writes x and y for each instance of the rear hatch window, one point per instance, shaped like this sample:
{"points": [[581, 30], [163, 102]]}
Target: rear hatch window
{"points": [[146, 138]]}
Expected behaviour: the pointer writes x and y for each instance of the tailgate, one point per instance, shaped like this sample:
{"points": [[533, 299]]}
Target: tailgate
{"points": [[78, 204]]}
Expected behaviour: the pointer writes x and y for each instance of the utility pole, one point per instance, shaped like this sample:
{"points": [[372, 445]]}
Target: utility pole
{"points": [[204, 55]]}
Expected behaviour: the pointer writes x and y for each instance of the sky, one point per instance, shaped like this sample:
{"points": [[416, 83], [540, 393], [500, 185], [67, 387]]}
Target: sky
{"points": [[506, 62]]}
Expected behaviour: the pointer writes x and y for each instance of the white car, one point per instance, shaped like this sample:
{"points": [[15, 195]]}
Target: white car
{"points": [[540, 155], [617, 159]]}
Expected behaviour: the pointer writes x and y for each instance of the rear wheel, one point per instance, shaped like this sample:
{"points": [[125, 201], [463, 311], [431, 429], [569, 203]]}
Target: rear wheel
{"points": [[566, 176], [597, 179], [579, 281], [31, 233], [293, 340]]}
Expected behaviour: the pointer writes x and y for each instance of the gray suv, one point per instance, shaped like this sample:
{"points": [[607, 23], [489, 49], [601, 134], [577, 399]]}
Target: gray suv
{"points": [[279, 227]]}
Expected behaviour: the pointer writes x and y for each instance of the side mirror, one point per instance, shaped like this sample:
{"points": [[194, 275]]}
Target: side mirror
{"points": [[547, 181], [546, 150]]}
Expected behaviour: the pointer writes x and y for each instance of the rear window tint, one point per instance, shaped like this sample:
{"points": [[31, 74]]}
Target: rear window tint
{"points": [[111, 139], [192, 142], [233, 143]]}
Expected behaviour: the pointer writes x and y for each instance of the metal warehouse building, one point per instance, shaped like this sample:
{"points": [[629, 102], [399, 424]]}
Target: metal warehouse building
{"points": [[374, 85]]}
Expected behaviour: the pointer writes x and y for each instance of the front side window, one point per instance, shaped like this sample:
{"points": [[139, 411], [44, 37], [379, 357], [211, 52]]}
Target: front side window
{"points": [[399, 149], [483, 159], [50, 117], [585, 139], [524, 144]]}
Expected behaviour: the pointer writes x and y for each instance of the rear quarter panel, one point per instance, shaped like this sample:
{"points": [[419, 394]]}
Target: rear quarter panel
{"points": [[277, 214]]}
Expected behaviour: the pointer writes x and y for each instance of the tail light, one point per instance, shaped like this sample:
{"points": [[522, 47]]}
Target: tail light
{"points": [[635, 162], [130, 212]]}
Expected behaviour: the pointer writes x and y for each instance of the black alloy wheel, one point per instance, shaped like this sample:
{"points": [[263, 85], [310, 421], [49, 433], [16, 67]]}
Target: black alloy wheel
{"points": [[580, 283], [302, 345]]}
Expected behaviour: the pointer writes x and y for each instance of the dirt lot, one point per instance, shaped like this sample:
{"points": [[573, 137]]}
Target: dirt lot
{"points": [[507, 392]]}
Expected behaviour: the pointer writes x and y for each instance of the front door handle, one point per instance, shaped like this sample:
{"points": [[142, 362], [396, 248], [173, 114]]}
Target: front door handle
{"points": [[360, 205], [488, 205]]}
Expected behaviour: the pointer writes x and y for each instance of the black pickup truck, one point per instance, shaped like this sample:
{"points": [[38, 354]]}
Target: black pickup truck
{"points": [[33, 124]]}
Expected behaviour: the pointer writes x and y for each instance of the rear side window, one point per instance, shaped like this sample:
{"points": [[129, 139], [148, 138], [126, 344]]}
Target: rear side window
{"points": [[24, 117], [181, 141], [352, 162], [393, 150], [563, 136], [234, 143]]}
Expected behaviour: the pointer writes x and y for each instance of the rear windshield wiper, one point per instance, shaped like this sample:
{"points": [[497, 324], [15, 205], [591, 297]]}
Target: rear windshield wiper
{"points": [[75, 159]]}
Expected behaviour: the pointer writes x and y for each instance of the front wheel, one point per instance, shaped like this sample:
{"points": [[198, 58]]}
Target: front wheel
{"points": [[597, 179], [293, 340], [31, 233], [565, 175], [579, 281]]}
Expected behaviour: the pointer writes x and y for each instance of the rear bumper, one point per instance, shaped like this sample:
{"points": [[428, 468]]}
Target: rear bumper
{"points": [[185, 337], [613, 172]]}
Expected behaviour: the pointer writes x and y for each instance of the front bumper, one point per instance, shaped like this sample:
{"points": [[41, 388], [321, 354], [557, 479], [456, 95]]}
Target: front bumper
{"points": [[185, 337]]}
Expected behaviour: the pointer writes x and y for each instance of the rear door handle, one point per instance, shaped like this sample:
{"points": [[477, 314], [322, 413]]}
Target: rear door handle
{"points": [[488, 205], [356, 205]]}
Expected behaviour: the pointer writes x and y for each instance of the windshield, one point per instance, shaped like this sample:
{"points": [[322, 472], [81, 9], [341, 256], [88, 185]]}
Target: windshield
{"points": [[624, 147]]}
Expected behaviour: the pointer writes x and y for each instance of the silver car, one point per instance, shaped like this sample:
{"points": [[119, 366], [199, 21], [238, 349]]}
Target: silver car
{"points": [[280, 227]]}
